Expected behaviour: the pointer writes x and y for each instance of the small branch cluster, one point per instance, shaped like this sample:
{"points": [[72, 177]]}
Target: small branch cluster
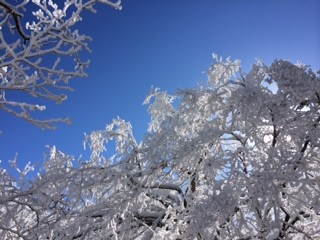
{"points": [[40, 58]]}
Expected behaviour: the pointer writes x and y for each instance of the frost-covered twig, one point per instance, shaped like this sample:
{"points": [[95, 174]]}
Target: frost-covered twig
{"points": [[36, 66]]}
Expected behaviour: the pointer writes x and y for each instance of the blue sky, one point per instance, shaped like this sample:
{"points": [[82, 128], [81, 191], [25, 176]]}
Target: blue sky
{"points": [[166, 44]]}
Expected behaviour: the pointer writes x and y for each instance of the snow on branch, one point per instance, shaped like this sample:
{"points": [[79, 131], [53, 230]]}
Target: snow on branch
{"points": [[237, 160], [41, 57]]}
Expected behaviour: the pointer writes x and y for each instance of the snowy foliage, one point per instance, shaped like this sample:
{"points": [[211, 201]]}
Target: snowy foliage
{"points": [[236, 158], [32, 54]]}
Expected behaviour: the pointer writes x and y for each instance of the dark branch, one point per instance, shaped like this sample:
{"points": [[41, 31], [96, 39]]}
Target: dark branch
{"points": [[16, 17]]}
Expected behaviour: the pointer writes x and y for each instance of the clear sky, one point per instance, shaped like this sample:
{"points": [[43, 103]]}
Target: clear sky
{"points": [[166, 44]]}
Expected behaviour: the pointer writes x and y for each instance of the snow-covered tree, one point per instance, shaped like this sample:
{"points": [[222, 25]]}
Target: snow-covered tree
{"points": [[39, 55], [236, 158]]}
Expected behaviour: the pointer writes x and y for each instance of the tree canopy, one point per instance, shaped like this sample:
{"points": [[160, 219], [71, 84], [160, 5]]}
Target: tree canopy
{"points": [[234, 158], [41, 56]]}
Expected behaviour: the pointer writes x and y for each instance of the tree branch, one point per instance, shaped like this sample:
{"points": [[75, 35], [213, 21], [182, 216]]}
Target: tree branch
{"points": [[16, 17]]}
